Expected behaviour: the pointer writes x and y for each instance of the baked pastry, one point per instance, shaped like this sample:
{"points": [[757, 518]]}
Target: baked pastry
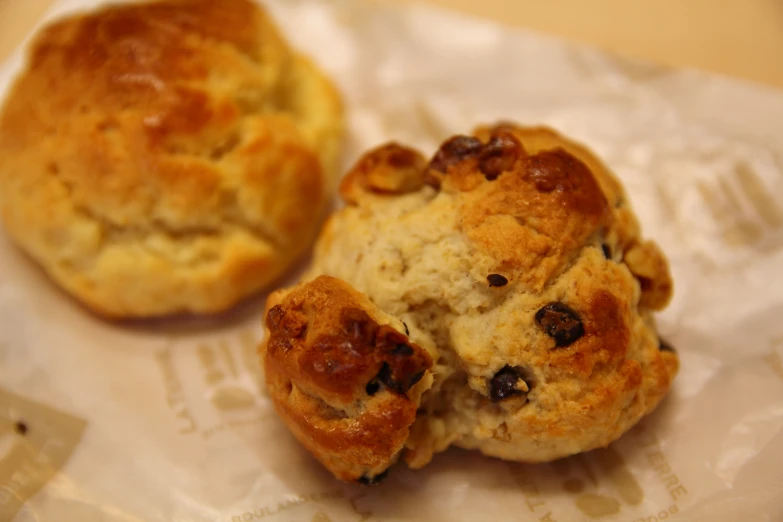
{"points": [[514, 260], [345, 376], [167, 157]]}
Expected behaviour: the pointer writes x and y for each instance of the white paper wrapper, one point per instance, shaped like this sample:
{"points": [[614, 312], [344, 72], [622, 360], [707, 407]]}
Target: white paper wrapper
{"points": [[166, 421]]}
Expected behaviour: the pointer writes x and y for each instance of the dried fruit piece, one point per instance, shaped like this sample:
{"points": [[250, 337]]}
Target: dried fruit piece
{"points": [[400, 384], [507, 383], [496, 280], [499, 155], [560, 323], [455, 150], [372, 387], [20, 428]]}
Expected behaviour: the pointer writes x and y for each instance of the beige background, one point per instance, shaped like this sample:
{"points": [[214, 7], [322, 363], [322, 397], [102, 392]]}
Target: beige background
{"points": [[742, 38]]}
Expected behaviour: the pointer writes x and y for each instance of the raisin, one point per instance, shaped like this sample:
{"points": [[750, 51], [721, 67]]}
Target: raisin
{"points": [[665, 346], [455, 150], [274, 316], [499, 155], [496, 280], [402, 349], [20, 428], [387, 378], [560, 323], [505, 384], [373, 481], [607, 251], [416, 378], [372, 387]]}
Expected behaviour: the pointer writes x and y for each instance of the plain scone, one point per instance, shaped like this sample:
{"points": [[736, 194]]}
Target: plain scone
{"points": [[498, 297], [167, 157]]}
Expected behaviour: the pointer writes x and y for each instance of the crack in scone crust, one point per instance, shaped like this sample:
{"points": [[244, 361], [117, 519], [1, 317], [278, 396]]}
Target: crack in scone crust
{"points": [[183, 165], [515, 260]]}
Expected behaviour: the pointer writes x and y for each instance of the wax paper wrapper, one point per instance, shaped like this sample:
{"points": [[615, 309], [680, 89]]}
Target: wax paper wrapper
{"points": [[167, 421]]}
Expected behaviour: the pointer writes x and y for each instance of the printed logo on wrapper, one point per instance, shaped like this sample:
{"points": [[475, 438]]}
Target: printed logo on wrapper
{"points": [[601, 484], [725, 203], [36, 440], [316, 507], [213, 386]]}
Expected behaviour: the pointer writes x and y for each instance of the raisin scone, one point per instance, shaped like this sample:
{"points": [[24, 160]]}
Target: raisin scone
{"points": [[511, 270], [167, 156]]}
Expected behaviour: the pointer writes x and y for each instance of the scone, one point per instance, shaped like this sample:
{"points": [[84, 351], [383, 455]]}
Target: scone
{"points": [[167, 157], [514, 260]]}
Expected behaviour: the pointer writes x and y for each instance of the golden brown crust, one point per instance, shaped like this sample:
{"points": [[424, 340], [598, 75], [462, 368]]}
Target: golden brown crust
{"points": [[188, 139], [340, 378], [532, 199]]}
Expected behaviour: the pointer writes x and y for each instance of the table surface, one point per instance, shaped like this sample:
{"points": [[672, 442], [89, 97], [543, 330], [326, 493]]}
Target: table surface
{"points": [[741, 38]]}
